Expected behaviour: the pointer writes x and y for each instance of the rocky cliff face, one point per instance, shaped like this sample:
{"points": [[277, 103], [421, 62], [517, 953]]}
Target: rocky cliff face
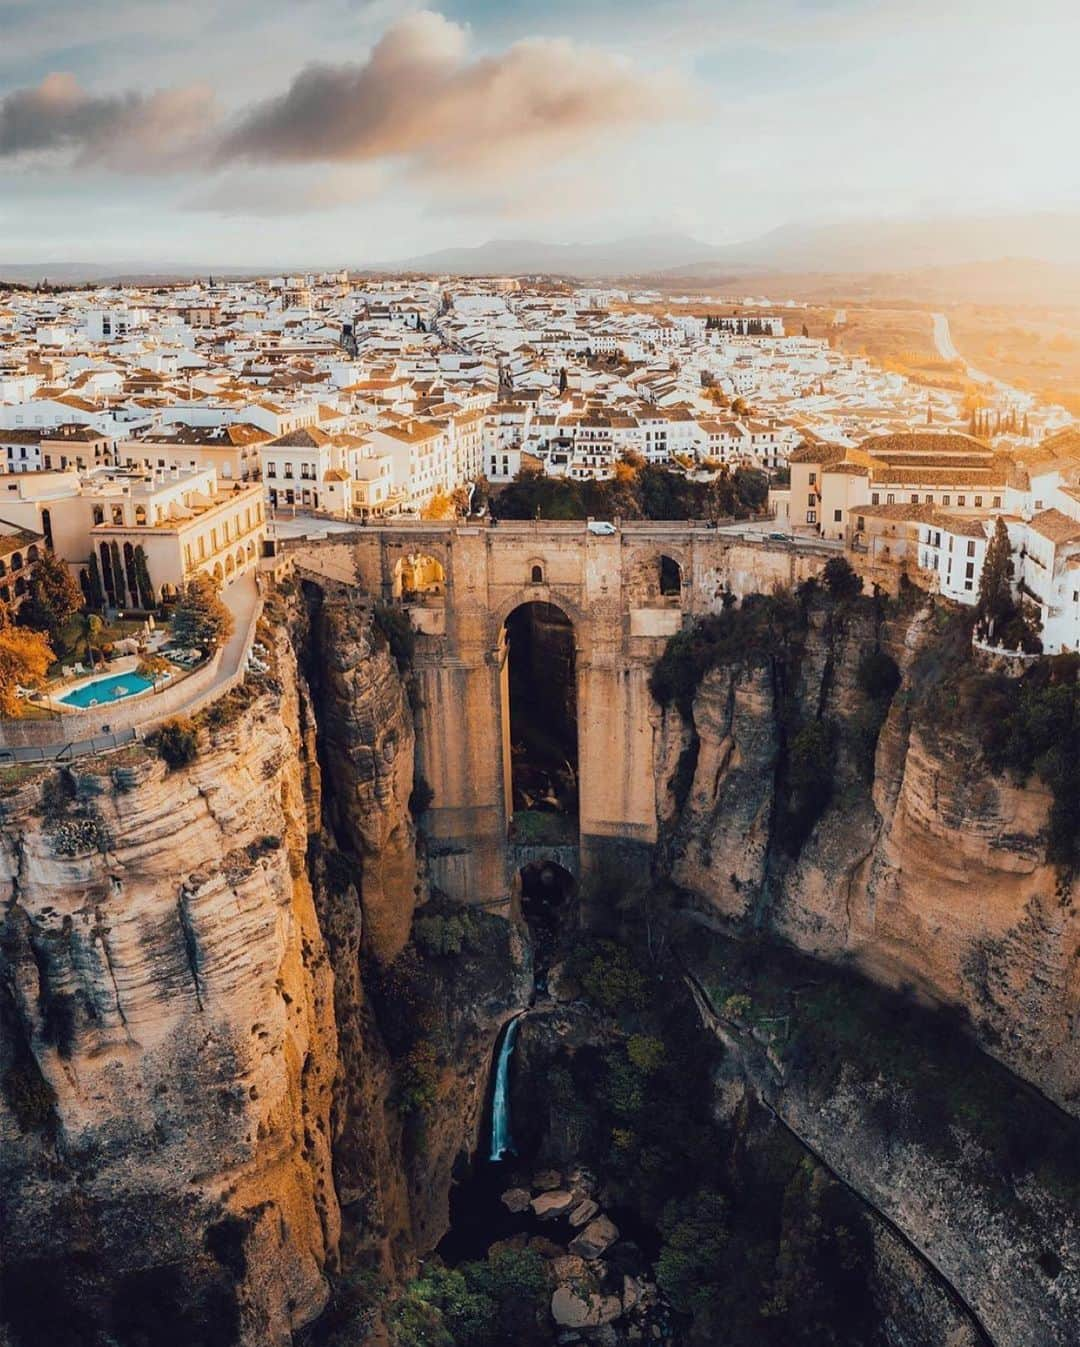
{"points": [[168, 1042], [415, 1029], [921, 865], [201, 1049]]}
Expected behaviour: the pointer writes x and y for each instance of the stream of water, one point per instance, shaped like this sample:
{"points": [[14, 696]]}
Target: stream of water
{"points": [[502, 1139]]}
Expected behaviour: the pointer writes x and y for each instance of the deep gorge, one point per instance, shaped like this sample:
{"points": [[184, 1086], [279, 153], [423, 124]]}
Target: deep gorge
{"points": [[818, 1066]]}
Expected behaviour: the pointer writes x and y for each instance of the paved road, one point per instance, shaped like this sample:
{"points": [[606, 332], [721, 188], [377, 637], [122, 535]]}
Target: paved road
{"points": [[304, 526], [947, 350]]}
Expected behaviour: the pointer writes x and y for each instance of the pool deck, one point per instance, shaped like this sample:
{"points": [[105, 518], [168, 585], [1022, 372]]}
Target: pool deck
{"points": [[120, 722]]}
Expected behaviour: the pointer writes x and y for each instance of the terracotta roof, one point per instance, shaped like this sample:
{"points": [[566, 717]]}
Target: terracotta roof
{"points": [[1055, 526], [307, 437]]}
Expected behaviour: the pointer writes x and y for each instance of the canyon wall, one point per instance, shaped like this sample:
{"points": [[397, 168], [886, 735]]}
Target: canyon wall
{"points": [[923, 867], [168, 1041]]}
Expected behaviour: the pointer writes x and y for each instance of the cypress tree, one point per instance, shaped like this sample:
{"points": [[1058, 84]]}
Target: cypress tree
{"points": [[995, 587], [118, 575], [142, 578], [95, 593]]}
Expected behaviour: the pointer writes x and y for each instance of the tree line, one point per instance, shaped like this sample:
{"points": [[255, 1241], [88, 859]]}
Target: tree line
{"points": [[645, 492]]}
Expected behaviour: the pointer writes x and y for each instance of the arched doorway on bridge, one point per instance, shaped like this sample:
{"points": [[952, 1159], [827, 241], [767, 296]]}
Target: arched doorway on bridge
{"points": [[419, 579], [540, 724], [670, 578]]}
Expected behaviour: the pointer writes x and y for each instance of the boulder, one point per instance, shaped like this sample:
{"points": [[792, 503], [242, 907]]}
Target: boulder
{"points": [[583, 1212], [570, 1309], [597, 1236], [549, 1206], [568, 1268], [515, 1199], [561, 986], [545, 1180]]}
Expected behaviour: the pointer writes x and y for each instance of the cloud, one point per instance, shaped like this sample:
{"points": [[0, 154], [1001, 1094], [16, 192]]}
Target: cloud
{"points": [[421, 100], [132, 131]]}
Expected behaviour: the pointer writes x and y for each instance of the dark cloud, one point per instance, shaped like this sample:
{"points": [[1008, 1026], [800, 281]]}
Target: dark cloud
{"points": [[420, 103], [132, 131], [421, 99]]}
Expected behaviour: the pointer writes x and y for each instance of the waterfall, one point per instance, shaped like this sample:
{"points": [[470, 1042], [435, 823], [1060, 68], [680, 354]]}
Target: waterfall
{"points": [[502, 1141]]}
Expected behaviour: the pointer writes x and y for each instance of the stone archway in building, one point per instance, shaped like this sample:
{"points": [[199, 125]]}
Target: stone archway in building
{"points": [[418, 578]]}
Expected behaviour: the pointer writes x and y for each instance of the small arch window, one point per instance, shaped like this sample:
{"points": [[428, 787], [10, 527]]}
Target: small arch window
{"points": [[670, 577], [537, 575]]}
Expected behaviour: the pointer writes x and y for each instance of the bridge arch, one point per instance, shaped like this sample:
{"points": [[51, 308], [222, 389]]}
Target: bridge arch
{"points": [[553, 595], [539, 722]]}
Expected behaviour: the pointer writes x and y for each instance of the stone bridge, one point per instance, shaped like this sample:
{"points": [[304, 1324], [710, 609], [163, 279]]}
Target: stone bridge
{"points": [[624, 593]]}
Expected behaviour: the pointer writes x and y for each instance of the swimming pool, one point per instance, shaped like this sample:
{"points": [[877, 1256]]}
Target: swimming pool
{"points": [[104, 690]]}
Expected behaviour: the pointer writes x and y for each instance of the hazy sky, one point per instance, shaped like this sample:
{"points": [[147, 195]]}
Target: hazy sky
{"points": [[346, 131]]}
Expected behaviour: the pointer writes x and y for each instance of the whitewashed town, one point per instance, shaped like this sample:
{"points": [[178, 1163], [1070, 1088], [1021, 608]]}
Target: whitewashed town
{"points": [[150, 435]]}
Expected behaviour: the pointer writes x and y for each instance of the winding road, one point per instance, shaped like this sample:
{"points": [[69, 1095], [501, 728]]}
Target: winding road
{"points": [[943, 340]]}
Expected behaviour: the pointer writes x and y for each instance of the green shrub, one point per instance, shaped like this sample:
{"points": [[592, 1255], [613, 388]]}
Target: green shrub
{"points": [[177, 742], [613, 980], [762, 627], [438, 934], [418, 1078], [493, 1303]]}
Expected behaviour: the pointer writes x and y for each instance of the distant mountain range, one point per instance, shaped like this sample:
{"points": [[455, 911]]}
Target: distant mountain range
{"points": [[518, 257], [848, 247], [1004, 258]]}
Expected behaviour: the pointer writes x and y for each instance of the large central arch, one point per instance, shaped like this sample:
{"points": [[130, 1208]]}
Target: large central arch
{"points": [[539, 722]]}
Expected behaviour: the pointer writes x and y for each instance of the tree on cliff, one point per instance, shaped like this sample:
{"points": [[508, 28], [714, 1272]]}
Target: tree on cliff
{"points": [[54, 596], [200, 618], [996, 604], [841, 579], [24, 659]]}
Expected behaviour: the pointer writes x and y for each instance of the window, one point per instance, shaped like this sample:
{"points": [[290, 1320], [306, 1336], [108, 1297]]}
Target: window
{"points": [[811, 498], [271, 469], [961, 500], [997, 502], [890, 499], [969, 571], [288, 469], [811, 516], [537, 577], [914, 498], [928, 498], [969, 584], [978, 501], [971, 548], [838, 516], [813, 479], [946, 500]]}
